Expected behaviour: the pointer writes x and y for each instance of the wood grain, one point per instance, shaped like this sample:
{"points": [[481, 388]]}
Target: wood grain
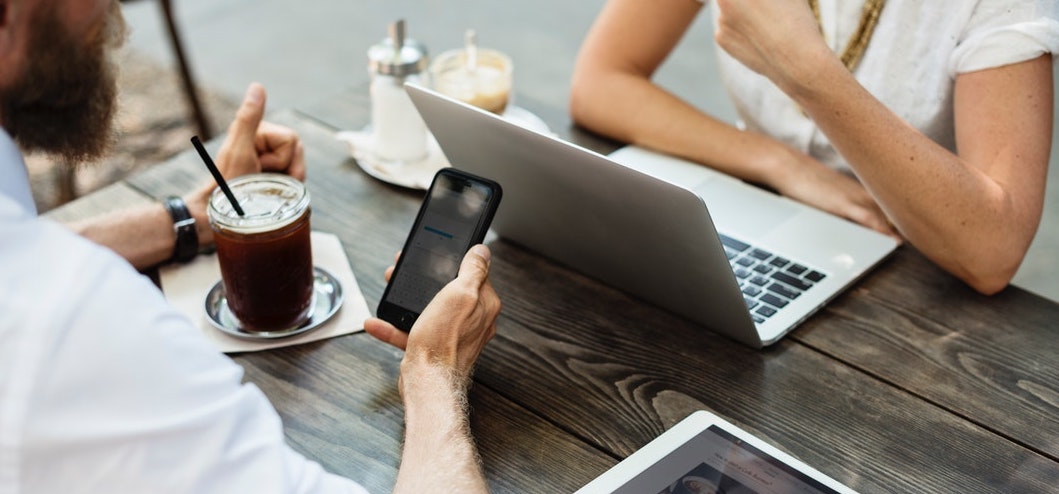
{"points": [[910, 324], [908, 382], [110, 198], [992, 360], [768, 400], [338, 398], [575, 351], [340, 406]]}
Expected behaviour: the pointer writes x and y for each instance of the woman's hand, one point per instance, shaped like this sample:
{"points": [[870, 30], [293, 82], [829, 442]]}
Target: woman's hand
{"points": [[774, 38], [813, 183]]}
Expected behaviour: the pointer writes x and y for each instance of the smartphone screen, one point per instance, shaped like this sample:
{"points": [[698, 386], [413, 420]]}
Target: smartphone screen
{"points": [[455, 215]]}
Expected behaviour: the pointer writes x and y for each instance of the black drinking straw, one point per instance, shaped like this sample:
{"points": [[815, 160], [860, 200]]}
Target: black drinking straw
{"points": [[216, 174]]}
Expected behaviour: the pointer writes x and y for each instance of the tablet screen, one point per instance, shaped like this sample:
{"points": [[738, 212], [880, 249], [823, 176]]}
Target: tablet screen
{"points": [[715, 461]]}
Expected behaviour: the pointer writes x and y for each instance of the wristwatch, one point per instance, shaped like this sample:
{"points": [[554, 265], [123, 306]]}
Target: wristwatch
{"points": [[187, 237]]}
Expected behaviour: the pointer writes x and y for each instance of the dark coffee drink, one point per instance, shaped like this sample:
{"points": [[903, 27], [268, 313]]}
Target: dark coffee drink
{"points": [[266, 255]]}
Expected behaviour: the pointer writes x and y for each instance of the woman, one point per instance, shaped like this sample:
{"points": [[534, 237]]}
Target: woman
{"points": [[925, 120]]}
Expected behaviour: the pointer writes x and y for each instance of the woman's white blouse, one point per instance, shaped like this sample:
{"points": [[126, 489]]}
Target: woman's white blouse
{"points": [[917, 50]]}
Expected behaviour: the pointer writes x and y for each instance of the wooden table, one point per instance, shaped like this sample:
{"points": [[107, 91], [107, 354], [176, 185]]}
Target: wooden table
{"points": [[908, 382]]}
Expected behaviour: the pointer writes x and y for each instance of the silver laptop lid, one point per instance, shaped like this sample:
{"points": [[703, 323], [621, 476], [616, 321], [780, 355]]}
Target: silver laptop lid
{"points": [[647, 237]]}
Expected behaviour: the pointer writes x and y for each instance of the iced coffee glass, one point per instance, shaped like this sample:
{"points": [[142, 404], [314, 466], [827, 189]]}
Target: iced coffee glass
{"points": [[484, 82], [265, 255]]}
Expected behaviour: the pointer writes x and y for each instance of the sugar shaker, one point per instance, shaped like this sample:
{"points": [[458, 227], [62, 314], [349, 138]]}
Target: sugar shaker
{"points": [[398, 131]]}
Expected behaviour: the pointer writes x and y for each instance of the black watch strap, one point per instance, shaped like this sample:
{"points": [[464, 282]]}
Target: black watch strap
{"points": [[187, 237]]}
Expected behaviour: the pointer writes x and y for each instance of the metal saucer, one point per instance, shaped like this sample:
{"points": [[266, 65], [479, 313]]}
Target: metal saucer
{"points": [[327, 298]]}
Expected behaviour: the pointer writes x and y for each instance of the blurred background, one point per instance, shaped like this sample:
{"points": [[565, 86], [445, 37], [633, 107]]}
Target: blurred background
{"points": [[308, 51]]}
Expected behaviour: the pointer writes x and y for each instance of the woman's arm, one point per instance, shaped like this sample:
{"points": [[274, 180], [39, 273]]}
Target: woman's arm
{"points": [[973, 213], [612, 94]]}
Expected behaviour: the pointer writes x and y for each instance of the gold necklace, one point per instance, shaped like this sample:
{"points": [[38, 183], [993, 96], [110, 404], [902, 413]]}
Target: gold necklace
{"points": [[869, 17]]}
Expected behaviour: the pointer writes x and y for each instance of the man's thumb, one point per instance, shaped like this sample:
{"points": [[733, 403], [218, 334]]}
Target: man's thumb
{"points": [[249, 115], [475, 265]]}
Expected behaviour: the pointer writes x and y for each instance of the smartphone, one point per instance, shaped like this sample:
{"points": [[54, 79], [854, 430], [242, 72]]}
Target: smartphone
{"points": [[454, 216]]}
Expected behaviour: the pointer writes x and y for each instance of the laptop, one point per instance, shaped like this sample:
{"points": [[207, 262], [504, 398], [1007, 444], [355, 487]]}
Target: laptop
{"points": [[705, 453], [734, 258]]}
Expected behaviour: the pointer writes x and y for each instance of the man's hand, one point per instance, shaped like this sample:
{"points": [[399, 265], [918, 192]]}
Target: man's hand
{"points": [[254, 146], [456, 325], [144, 236], [251, 146], [440, 351]]}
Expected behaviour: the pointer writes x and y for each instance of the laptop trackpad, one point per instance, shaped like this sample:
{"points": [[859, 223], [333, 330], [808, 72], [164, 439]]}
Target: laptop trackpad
{"points": [[742, 209]]}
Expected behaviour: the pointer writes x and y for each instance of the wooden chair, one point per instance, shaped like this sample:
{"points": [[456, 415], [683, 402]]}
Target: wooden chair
{"points": [[187, 79]]}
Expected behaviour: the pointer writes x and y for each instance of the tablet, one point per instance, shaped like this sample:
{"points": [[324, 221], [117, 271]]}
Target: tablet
{"points": [[705, 454]]}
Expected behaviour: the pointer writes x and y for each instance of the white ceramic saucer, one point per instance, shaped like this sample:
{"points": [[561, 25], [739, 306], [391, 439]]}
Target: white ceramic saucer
{"points": [[419, 173]]}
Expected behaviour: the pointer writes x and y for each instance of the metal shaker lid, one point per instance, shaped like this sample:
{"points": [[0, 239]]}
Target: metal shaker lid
{"points": [[397, 56]]}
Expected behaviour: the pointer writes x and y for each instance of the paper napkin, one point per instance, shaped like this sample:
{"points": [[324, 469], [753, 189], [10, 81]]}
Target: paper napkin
{"points": [[187, 285]]}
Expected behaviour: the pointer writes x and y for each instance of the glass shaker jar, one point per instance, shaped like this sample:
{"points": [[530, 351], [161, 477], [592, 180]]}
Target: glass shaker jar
{"points": [[399, 133]]}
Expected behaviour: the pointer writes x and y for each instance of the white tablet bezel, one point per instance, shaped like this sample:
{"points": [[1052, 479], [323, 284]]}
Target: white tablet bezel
{"points": [[677, 436]]}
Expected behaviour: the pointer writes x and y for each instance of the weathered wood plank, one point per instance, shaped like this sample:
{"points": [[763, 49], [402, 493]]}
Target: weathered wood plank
{"points": [[618, 372], [338, 398], [110, 198], [340, 406], [990, 359]]}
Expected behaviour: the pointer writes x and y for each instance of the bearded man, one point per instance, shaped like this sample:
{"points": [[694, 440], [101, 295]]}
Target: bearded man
{"points": [[106, 388]]}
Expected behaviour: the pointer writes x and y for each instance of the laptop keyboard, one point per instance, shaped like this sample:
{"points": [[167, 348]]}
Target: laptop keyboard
{"points": [[769, 282]]}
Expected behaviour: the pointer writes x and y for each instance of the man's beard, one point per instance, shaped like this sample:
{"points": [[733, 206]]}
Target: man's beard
{"points": [[65, 101]]}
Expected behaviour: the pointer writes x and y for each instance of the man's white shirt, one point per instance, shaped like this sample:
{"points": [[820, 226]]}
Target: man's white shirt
{"points": [[106, 388]]}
